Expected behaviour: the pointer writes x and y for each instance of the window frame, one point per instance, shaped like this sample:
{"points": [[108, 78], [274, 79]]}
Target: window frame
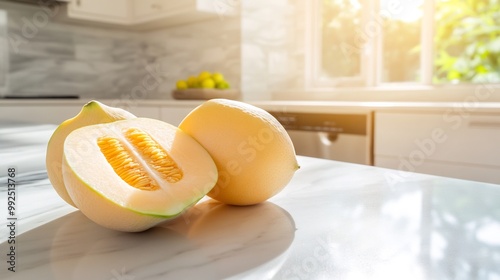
{"points": [[372, 66], [313, 55]]}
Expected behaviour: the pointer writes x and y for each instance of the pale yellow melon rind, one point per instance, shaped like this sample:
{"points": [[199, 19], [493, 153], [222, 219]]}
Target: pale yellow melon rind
{"points": [[106, 213], [254, 155], [106, 199], [93, 112]]}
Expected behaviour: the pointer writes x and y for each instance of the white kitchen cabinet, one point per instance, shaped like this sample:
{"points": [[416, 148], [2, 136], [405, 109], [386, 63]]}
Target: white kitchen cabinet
{"points": [[157, 13], [454, 144], [141, 111], [151, 9], [147, 8], [143, 14], [175, 114], [53, 114], [56, 114], [109, 11]]}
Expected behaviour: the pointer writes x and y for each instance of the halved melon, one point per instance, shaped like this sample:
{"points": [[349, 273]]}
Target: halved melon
{"points": [[93, 112], [133, 174]]}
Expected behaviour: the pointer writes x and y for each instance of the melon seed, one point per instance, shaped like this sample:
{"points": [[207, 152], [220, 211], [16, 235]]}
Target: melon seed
{"points": [[124, 165]]}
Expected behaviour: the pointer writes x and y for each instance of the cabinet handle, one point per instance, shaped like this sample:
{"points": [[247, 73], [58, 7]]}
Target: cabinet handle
{"points": [[327, 138], [491, 124]]}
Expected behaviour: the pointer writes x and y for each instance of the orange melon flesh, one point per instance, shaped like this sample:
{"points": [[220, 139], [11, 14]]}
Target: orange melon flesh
{"points": [[119, 199]]}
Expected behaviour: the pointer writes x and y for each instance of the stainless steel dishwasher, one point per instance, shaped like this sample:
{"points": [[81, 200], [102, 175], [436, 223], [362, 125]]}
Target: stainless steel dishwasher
{"points": [[344, 137]]}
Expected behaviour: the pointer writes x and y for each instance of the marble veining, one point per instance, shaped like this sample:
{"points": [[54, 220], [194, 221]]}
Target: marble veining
{"points": [[3, 51], [58, 58], [264, 44], [273, 51], [334, 220], [260, 52]]}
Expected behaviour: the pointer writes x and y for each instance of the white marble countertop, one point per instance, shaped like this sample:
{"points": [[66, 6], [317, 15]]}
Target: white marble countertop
{"points": [[333, 221]]}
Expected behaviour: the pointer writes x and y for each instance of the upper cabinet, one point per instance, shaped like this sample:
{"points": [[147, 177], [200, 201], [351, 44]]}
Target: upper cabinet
{"points": [[109, 11], [151, 9], [144, 14]]}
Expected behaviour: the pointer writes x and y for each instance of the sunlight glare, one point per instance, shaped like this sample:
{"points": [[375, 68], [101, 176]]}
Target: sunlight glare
{"points": [[404, 10]]}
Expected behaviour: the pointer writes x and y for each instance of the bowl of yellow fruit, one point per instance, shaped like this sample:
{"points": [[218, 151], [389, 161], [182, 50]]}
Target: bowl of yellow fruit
{"points": [[206, 85]]}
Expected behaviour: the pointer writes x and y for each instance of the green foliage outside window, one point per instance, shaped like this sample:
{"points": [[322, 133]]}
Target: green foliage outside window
{"points": [[341, 44], [467, 41]]}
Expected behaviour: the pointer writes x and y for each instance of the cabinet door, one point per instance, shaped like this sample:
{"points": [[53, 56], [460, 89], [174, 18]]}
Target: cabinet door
{"points": [[152, 112], [56, 114], [151, 9], [49, 114], [436, 142], [174, 115], [114, 11]]}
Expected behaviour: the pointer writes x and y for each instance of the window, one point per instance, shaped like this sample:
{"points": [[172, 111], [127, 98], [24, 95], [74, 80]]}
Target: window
{"points": [[379, 43]]}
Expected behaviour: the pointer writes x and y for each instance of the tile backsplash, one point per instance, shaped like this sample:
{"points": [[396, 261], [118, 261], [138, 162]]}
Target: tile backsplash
{"points": [[3, 52], [185, 50], [259, 51], [57, 58], [273, 47]]}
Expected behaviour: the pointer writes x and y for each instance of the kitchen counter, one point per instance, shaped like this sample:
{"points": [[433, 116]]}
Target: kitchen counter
{"points": [[333, 221], [466, 106], [55, 111]]}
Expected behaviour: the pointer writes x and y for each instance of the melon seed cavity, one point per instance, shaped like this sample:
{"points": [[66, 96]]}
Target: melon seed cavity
{"points": [[124, 165], [129, 169], [154, 155]]}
